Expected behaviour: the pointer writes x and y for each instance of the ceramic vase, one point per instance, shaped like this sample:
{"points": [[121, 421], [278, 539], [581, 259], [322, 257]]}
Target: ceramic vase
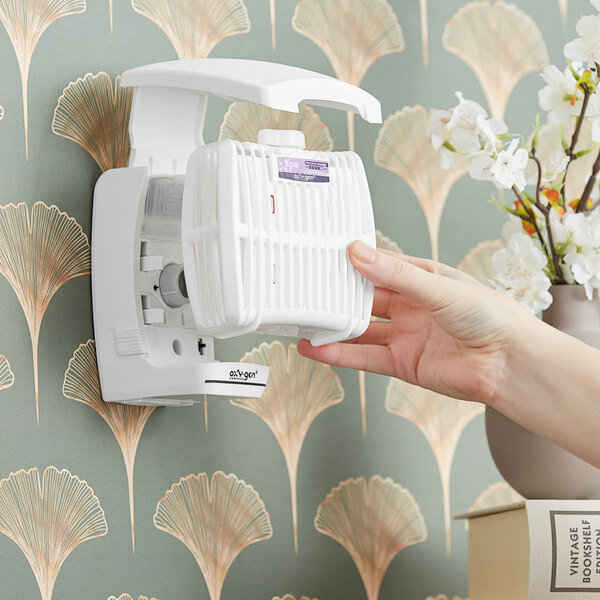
{"points": [[533, 466]]}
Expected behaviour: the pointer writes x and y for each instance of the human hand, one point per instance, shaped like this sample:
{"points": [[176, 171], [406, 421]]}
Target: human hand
{"points": [[444, 331]]}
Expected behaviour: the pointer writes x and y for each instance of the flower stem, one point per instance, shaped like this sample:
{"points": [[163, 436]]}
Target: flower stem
{"points": [[560, 278], [589, 186], [532, 220], [545, 210], [570, 152]]}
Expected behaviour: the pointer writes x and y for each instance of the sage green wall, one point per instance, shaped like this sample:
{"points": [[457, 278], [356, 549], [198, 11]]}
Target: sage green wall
{"points": [[175, 443]]}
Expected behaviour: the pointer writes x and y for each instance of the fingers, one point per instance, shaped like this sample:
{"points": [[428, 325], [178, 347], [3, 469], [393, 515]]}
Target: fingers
{"points": [[383, 303], [376, 359], [387, 303], [432, 266], [395, 273], [377, 334]]}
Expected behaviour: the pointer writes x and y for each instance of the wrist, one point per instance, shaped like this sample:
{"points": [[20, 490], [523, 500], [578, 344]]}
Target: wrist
{"points": [[551, 386]]}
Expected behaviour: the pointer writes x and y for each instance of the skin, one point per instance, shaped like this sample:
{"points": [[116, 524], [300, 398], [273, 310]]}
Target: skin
{"points": [[449, 333]]}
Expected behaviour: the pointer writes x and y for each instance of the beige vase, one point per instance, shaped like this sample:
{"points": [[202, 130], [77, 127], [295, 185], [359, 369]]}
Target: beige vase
{"points": [[533, 466]]}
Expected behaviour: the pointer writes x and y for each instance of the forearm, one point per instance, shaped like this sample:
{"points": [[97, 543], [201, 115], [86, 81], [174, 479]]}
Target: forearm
{"points": [[551, 386]]}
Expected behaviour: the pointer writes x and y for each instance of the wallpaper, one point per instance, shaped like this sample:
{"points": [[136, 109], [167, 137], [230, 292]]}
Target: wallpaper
{"points": [[335, 484]]}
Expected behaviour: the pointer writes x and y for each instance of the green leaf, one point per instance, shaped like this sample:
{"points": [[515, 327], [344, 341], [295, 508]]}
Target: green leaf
{"points": [[529, 199], [563, 139], [573, 71], [536, 133], [510, 210]]}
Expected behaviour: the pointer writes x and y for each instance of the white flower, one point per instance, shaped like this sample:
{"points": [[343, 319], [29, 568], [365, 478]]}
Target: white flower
{"points": [[552, 168], [488, 131], [592, 239], [555, 98], [438, 130], [465, 129], [577, 227], [463, 126], [440, 134], [508, 168], [596, 4], [535, 297], [555, 166], [481, 168], [586, 48], [585, 267], [520, 271], [561, 234], [518, 261]]}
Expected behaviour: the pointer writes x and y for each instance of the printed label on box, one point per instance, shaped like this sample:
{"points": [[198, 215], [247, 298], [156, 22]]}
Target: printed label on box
{"points": [[564, 549], [575, 551], [305, 170]]}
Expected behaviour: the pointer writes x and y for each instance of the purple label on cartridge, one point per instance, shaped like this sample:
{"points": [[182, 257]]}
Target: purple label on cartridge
{"points": [[303, 169]]}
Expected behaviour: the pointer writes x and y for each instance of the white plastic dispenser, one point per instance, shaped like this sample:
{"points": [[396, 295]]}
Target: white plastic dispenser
{"points": [[192, 241]]}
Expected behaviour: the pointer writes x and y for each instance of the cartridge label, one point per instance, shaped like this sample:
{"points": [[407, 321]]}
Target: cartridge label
{"points": [[305, 170]]}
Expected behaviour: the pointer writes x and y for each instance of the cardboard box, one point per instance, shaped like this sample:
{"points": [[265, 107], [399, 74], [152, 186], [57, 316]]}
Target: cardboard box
{"points": [[535, 550]]}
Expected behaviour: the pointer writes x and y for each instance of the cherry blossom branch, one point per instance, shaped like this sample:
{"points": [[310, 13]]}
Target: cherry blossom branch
{"points": [[586, 98], [545, 210], [589, 186], [555, 258], [531, 219], [570, 152], [538, 187]]}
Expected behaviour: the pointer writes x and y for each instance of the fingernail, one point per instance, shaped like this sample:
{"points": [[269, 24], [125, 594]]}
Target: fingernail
{"points": [[363, 252]]}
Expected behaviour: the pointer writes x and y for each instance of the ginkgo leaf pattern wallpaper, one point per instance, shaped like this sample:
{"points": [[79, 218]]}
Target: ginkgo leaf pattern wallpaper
{"points": [[333, 485]]}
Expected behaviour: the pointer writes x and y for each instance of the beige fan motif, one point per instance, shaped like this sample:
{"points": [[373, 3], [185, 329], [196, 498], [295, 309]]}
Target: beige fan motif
{"points": [[385, 243], [273, 25], [500, 43], [7, 377], [195, 27], [128, 597], [94, 112], [478, 261], [215, 519], [353, 34], [244, 120], [298, 391], [424, 32], [373, 521], [127, 422], [441, 420], [40, 250], [25, 21], [564, 9], [48, 518], [403, 147], [497, 494]]}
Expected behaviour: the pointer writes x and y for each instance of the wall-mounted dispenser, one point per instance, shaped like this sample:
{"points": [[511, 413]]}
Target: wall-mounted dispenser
{"points": [[193, 241]]}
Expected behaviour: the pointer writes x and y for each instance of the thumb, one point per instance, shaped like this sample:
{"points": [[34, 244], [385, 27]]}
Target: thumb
{"points": [[390, 271]]}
